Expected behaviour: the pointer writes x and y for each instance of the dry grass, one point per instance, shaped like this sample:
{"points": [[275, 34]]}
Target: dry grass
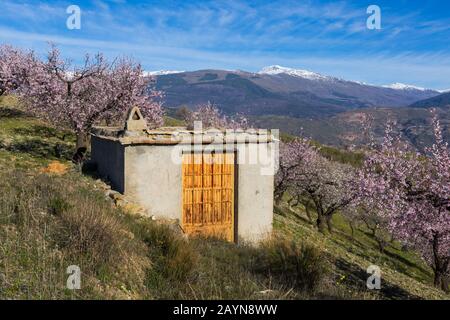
{"points": [[292, 263], [49, 223]]}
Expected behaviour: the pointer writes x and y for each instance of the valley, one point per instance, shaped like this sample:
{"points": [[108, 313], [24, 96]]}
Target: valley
{"points": [[327, 109]]}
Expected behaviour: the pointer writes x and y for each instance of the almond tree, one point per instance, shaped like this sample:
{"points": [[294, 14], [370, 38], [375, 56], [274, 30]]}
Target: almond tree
{"points": [[211, 117], [292, 155], [314, 180], [413, 192], [329, 187], [14, 66], [80, 96], [376, 223]]}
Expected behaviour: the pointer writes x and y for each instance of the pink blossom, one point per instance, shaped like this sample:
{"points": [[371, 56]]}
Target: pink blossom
{"points": [[211, 117], [79, 97], [412, 191]]}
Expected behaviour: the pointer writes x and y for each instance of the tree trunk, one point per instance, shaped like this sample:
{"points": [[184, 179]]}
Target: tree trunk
{"points": [[446, 284], [330, 223], [82, 140], [440, 267], [81, 148], [321, 222], [441, 281], [381, 244], [308, 213], [352, 229]]}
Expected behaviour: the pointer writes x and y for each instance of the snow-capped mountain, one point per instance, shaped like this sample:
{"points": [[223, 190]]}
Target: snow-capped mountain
{"points": [[277, 90], [161, 72], [402, 86], [310, 75], [276, 69]]}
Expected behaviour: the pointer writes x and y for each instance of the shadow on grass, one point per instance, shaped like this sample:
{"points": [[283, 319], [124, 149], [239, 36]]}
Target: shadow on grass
{"points": [[89, 168], [45, 132], [297, 216], [357, 277], [348, 238], [397, 257], [6, 112], [288, 212], [41, 149]]}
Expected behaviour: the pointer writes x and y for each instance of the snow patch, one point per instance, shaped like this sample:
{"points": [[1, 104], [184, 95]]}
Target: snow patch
{"points": [[160, 72], [402, 86], [276, 69]]}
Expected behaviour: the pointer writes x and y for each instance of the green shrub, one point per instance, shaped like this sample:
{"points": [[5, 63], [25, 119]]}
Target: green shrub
{"points": [[171, 254], [57, 206], [302, 266]]}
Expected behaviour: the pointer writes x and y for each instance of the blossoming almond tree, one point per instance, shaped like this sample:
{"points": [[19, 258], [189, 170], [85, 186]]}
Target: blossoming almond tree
{"points": [[375, 222], [328, 186], [413, 192], [14, 65], [80, 96], [292, 155], [314, 180], [211, 117]]}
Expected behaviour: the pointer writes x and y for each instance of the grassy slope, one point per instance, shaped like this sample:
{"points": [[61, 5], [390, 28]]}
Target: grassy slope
{"points": [[165, 265], [404, 275], [27, 142]]}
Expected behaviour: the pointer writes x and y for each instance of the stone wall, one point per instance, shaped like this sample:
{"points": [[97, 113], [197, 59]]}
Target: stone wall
{"points": [[109, 156], [153, 179]]}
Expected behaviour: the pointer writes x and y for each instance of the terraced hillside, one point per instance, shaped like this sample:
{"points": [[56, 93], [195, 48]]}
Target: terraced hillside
{"points": [[52, 216]]}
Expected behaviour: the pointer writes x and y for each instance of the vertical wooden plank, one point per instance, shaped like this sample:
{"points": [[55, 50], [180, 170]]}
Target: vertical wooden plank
{"points": [[208, 194], [206, 191], [192, 188], [219, 186], [231, 195]]}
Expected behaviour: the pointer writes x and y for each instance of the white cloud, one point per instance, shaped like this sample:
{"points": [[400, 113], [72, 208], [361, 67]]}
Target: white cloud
{"points": [[326, 38]]}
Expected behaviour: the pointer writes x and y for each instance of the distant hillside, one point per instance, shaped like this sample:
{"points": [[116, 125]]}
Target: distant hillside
{"points": [[442, 100], [346, 129], [281, 91]]}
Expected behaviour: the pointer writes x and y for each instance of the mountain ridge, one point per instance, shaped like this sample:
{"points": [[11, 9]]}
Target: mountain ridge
{"points": [[279, 91], [442, 100], [277, 69]]}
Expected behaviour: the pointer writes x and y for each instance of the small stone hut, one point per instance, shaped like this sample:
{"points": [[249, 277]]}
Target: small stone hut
{"points": [[209, 181]]}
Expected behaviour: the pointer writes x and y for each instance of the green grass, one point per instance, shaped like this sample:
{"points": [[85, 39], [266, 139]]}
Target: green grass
{"points": [[343, 156], [404, 273], [48, 222], [28, 142], [173, 122]]}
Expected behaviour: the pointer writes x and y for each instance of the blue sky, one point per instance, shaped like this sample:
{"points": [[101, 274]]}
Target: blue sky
{"points": [[329, 37]]}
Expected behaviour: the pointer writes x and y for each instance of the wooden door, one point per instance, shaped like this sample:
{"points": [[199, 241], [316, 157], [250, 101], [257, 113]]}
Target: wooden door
{"points": [[208, 194]]}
